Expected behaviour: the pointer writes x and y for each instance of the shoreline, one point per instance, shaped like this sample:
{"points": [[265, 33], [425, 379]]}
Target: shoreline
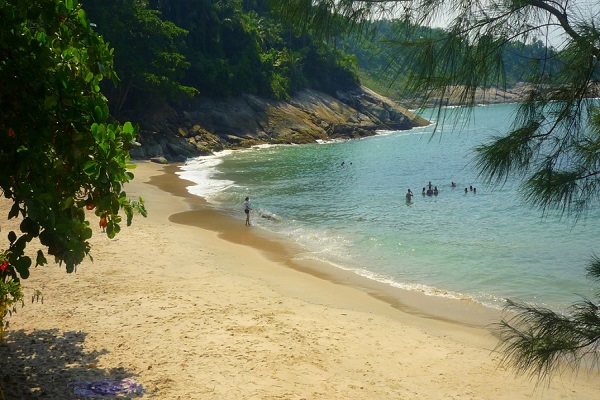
{"points": [[462, 320], [436, 308], [194, 310]]}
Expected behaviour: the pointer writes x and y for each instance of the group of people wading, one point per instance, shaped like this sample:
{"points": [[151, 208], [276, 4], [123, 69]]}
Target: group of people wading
{"points": [[431, 190]]}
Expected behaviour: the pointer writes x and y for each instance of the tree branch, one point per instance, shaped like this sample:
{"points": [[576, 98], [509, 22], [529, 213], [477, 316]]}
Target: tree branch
{"points": [[563, 20]]}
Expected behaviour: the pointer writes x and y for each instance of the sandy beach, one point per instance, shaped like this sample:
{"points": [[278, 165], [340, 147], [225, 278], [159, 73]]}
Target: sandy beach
{"points": [[191, 304]]}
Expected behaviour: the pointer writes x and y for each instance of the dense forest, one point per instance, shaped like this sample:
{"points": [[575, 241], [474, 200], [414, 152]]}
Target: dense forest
{"points": [[169, 51]]}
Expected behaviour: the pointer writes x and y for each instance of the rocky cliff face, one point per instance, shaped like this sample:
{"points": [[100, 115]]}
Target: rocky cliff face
{"points": [[213, 125]]}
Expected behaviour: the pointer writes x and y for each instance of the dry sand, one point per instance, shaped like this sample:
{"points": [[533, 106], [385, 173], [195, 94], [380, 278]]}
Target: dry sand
{"points": [[191, 304]]}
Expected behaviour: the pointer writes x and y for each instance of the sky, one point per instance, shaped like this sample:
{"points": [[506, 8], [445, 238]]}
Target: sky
{"points": [[587, 11]]}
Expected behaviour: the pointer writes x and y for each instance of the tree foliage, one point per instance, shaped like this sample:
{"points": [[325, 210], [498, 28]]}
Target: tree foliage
{"points": [[166, 51], [536, 339], [148, 55], [384, 62], [554, 143], [60, 154]]}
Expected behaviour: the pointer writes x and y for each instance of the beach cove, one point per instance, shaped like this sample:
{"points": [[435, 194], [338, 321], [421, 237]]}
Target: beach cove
{"points": [[191, 304]]}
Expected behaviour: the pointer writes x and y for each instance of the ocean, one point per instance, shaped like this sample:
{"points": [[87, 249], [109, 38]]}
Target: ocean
{"points": [[344, 203]]}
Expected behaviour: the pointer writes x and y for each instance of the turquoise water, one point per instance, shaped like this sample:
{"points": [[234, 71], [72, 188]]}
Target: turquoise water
{"points": [[485, 246]]}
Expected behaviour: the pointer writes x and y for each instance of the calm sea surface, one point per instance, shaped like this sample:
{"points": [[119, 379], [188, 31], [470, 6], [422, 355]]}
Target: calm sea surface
{"points": [[486, 246]]}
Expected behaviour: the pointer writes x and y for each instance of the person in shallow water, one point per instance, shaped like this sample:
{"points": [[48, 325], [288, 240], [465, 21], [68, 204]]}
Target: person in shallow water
{"points": [[429, 189], [409, 195], [247, 210]]}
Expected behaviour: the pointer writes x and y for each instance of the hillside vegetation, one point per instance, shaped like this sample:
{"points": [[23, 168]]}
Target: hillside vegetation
{"points": [[170, 51], [385, 60], [204, 75]]}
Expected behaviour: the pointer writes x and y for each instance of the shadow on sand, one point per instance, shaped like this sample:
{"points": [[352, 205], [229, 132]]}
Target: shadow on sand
{"points": [[48, 364]]}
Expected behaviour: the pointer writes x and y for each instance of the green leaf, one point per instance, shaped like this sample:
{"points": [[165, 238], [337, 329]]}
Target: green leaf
{"points": [[30, 226], [14, 211], [111, 134], [49, 102], [22, 265], [83, 19], [98, 115], [112, 229], [40, 259], [62, 78], [128, 128], [105, 148], [70, 267], [67, 203], [91, 169], [41, 37], [87, 233]]}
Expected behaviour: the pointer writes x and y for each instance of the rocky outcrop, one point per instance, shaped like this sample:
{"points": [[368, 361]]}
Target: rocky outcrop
{"points": [[213, 125]]}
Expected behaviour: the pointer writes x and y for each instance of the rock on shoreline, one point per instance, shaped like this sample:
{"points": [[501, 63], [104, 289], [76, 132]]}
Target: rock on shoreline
{"points": [[213, 125]]}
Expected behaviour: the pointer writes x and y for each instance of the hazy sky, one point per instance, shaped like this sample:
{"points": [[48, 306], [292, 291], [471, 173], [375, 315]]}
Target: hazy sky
{"points": [[579, 11]]}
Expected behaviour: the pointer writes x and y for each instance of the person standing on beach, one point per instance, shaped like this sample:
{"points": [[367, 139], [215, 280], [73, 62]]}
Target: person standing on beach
{"points": [[247, 210], [103, 222]]}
